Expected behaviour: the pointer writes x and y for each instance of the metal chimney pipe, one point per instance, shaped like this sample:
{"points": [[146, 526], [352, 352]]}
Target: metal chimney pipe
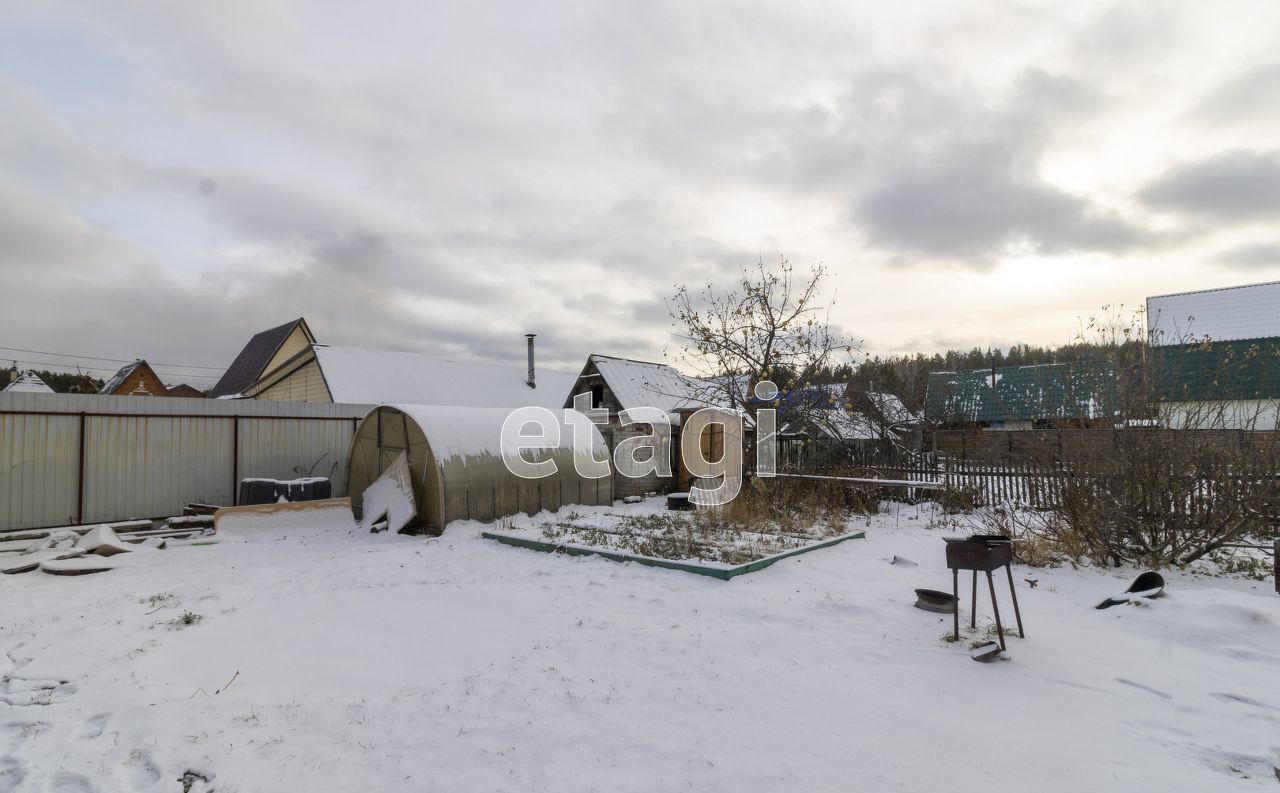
{"points": [[530, 382]]}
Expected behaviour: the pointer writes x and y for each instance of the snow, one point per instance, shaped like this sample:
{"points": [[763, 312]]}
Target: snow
{"points": [[29, 382], [306, 480], [389, 498], [477, 431], [348, 661], [638, 384], [363, 376], [631, 528], [103, 542]]}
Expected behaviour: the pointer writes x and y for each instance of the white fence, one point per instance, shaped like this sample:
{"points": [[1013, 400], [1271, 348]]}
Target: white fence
{"points": [[81, 458]]}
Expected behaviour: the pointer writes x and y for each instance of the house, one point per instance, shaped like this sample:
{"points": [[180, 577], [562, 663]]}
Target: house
{"points": [[28, 382], [1076, 394], [265, 352], [135, 379], [834, 423], [357, 375], [184, 390], [618, 384], [1215, 357]]}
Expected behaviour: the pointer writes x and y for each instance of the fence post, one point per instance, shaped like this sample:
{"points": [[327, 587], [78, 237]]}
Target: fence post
{"points": [[235, 461], [1275, 563], [80, 475]]}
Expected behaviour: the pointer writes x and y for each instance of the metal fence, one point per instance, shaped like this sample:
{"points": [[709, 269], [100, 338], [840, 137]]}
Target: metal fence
{"points": [[84, 458]]}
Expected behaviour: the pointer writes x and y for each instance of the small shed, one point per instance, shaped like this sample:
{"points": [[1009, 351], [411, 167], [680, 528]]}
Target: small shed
{"points": [[455, 462]]}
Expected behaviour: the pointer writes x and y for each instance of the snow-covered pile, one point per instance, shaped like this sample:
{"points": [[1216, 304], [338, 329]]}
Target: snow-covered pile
{"points": [[329, 659]]}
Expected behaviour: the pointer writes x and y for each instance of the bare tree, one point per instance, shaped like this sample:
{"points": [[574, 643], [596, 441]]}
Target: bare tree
{"points": [[773, 324]]}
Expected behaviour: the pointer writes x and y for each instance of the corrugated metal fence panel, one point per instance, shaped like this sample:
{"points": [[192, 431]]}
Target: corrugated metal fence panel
{"points": [[280, 448], [150, 456], [38, 470], [150, 466]]}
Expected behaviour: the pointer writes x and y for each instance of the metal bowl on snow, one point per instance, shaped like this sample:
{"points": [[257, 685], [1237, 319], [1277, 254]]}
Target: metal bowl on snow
{"points": [[936, 601]]}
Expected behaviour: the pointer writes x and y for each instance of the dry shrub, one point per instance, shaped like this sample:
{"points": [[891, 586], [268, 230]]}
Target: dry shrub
{"points": [[955, 500], [1167, 497], [1161, 497]]}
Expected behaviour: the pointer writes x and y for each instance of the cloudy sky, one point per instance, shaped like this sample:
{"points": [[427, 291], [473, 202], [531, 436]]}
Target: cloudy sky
{"points": [[443, 177]]}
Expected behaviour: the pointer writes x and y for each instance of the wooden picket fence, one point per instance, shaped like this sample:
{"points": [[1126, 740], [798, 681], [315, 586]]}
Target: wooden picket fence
{"points": [[1034, 472]]}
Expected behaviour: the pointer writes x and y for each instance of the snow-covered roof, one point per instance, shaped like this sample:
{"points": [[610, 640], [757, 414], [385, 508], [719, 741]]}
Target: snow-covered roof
{"points": [[892, 408], [29, 382], [641, 384], [362, 376], [844, 421]]}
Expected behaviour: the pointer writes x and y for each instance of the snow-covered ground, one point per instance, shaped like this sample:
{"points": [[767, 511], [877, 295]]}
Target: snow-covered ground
{"points": [[349, 661]]}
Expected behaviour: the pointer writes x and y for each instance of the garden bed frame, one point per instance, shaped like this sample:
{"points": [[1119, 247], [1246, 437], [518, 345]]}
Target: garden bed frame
{"points": [[722, 573]]}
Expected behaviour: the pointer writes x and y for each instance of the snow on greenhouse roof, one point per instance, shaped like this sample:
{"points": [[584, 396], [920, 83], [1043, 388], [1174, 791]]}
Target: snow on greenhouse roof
{"points": [[473, 431], [29, 382], [363, 376]]}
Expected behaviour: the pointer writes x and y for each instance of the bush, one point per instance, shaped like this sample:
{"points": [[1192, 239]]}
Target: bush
{"points": [[1160, 497]]}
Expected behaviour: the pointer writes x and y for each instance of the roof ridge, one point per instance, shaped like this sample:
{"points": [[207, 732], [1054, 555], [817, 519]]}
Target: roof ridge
{"points": [[1214, 289]]}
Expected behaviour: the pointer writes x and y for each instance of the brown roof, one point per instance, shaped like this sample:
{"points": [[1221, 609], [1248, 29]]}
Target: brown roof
{"points": [[248, 365], [184, 390]]}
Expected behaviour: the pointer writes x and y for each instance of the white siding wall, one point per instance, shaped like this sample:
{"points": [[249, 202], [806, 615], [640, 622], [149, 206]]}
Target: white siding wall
{"points": [[296, 343], [150, 456], [1241, 312], [306, 384], [1244, 414]]}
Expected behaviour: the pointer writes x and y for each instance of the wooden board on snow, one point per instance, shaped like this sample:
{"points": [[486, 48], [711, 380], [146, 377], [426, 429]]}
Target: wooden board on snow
{"points": [[245, 516]]}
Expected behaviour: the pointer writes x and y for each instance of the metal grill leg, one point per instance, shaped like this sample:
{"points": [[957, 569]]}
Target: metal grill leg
{"points": [[1014, 593], [973, 610], [955, 590], [991, 584]]}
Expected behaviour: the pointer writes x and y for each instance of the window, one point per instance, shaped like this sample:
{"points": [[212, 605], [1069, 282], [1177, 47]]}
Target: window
{"points": [[597, 396]]}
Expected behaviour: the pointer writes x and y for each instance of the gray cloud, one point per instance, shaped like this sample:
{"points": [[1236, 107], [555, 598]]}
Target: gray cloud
{"points": [[1252, 95], [443, 179], [1237, 185], [969, 203], [1254, 256], [969, 186]]}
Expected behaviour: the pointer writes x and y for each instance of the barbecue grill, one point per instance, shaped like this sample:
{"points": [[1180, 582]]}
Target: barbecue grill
{"points": [[982, 552]]}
